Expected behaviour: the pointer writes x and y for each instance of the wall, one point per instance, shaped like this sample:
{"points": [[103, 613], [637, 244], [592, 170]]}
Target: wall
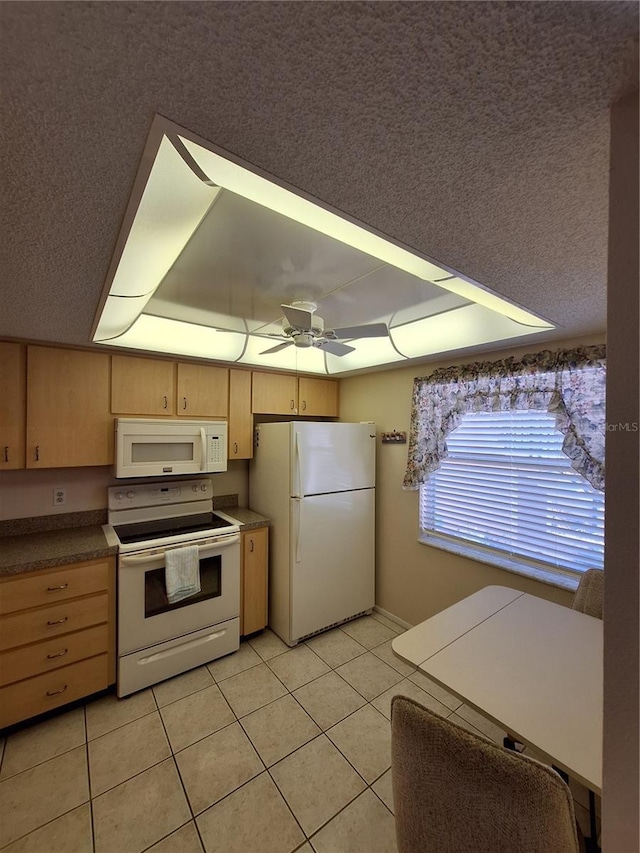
{"points": [[29, 493], [414, 581], [621, 623]]}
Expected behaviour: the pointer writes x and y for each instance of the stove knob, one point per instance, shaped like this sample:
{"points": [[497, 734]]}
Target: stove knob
{"points": [[203, 488], [119, 496], [194, 488], [129, 494]]}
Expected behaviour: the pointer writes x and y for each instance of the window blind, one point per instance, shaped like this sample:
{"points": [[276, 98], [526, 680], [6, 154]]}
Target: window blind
{"points": [[507, 486]]}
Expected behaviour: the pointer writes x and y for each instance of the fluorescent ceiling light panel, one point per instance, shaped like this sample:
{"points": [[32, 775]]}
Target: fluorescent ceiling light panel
{"points": [[171, 208], [463, 327], [180, 219], [159, 334]]}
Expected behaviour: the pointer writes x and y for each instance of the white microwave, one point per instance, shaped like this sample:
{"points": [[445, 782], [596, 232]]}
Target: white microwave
{"points": [[154, 448]]}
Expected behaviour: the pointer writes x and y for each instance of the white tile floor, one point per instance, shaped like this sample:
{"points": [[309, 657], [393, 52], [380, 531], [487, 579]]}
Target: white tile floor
{"points": [[269, 750]]}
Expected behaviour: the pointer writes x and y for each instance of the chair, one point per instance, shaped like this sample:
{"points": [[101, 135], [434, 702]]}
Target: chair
{"points": [[589, 597], [456, 792]]}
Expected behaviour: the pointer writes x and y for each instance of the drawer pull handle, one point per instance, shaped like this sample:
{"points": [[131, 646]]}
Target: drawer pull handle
{"points": [[57, 654], [58, 621], [6, 453], [56, 588], [56, 692], [184, 404]]}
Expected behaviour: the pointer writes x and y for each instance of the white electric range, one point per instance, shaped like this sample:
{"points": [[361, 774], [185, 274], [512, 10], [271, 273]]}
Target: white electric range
{"points": [[156, 639]]}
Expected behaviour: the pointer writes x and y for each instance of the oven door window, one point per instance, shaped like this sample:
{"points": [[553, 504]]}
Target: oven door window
{"points": [[155, 588]]}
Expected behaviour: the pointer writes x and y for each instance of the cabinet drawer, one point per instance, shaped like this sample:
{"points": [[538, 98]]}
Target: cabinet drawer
{"points": [[18, 664], [49, 587], [30, 626], [44, 692]]}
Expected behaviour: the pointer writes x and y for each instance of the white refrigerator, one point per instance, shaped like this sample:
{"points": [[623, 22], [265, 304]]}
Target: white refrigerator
{"points": [[316, 482]]}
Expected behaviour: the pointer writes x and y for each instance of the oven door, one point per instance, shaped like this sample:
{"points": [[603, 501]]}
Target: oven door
{"points": [[145, 616]]}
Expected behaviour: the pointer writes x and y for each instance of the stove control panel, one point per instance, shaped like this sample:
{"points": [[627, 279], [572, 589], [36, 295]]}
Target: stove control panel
{"points": [[156, 494]]}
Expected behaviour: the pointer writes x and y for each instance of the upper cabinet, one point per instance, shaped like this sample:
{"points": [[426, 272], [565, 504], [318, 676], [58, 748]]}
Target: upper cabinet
{"points": [[240, 415], [12, 405], [68, 419], [203, 391], [283, 394], [142, 386], [318, 397], [275, 394], [155, 387]]}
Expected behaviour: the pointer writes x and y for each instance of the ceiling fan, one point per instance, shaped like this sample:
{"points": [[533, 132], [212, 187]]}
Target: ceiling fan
{"points": [[304, 328]]}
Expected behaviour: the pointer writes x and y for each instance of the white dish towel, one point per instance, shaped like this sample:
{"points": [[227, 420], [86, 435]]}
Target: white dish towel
{"points": [[182, 573]]}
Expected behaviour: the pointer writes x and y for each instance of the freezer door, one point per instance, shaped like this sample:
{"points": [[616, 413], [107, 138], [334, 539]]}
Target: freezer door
{"points": [[332, 457], [332, 559]]}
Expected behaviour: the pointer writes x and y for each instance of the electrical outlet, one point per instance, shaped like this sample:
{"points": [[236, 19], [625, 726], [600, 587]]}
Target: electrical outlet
{"points": [[59, 497]]}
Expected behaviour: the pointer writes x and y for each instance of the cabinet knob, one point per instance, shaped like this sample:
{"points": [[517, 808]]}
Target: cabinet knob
{"points": [[235, 447], [6, 453], [304, 405], [292, 405], [251, 545], [37, 452], [166, 402], [184, 402]]}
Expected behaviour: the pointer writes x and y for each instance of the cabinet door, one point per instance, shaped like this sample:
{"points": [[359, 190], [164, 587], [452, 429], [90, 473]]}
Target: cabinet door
{"points": [[318, 397], [255, 560], [274, 394], [203, 391], [142, 386], [240, 415], [68, 419], [12, 405]]}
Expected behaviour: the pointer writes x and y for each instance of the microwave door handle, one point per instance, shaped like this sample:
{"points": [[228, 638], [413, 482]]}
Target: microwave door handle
{"points": [[203, 441]]}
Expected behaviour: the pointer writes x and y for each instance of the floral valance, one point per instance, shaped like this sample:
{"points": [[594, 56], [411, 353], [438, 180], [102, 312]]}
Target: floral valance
{"points": [[570, 384]]}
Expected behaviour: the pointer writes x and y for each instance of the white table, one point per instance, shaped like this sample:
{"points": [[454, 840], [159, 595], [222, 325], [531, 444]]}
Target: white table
{"points": [[531, 666]]}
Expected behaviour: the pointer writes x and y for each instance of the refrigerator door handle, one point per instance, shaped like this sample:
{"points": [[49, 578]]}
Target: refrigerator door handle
{"points": [[298, 504], [300, 491]]}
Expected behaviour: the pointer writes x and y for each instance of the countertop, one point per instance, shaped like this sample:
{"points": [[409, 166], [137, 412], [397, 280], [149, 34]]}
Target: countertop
{"points": [[26, 552], [29, 547]]}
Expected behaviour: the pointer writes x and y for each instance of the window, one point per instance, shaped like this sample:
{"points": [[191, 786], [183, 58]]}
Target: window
{"points": [[507, 487]]}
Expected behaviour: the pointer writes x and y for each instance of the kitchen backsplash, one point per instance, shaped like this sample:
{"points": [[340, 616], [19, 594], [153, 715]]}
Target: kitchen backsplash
{"points": [[29, 493]]}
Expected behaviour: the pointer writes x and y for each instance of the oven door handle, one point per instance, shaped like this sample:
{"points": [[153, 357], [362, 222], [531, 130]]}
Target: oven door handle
{"points": [[203, 551]]}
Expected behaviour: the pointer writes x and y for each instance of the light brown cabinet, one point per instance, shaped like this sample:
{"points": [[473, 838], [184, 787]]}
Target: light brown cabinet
{"points": [[154, 387], [240, 415], [318, 397], [57, 637], [69, 423], [254, 580], [203, 391], [142, 386], [12, 405], [284, 394], [274, 394]]}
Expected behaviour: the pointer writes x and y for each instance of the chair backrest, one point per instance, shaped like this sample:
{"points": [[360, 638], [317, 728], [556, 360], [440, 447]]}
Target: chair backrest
{"points": [[455, 792], [589, 597]]}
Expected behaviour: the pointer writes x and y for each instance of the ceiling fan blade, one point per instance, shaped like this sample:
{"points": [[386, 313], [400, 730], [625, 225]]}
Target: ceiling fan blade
{"points": [[298, 317], [334, 347], [276, 348], [370, 330]]}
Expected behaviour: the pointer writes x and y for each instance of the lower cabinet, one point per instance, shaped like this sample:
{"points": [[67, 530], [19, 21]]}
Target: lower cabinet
{"points": [[254, 580], [57, 637]]}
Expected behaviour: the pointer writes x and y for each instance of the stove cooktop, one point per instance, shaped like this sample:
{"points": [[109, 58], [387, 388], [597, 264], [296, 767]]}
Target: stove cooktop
{"points": [[147, 531]]}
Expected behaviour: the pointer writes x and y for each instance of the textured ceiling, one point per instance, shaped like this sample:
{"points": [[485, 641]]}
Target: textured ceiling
{"points": [[475, 132]]}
